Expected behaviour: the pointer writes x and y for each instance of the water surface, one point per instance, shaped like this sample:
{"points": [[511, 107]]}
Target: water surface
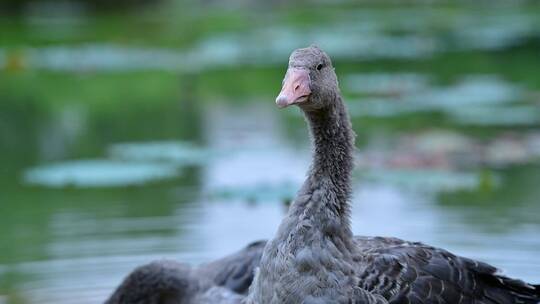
{"points": [[116, 152]]}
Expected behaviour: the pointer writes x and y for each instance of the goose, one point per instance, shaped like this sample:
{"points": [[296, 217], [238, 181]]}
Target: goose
{"points": [[224, 281], [314, 257]]}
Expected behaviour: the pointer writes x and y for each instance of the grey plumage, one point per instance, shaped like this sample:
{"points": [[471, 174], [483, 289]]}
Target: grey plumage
{"points": [[412, 272], [235, 271], [314, 258], [224, 281]]}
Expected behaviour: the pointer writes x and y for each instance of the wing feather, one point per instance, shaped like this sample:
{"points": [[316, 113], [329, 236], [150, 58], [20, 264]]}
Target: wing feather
{"points": [[235, 271], [411, 272]]}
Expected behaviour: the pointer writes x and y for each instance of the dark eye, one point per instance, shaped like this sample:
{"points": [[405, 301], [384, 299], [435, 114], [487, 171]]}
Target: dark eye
{"points": [[319, 67]]}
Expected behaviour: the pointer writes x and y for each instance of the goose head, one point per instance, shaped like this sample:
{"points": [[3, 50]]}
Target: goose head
{"points": [[310, 81]]}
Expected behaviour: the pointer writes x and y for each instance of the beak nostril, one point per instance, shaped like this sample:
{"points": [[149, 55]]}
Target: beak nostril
{"points": [[295, 88]]}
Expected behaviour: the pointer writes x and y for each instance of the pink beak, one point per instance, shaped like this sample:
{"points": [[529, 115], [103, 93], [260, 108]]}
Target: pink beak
{"points": [[295, 87]]}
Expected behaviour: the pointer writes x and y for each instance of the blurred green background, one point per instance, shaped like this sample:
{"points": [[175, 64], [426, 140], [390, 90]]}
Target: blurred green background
{"points": [[137, 130]]}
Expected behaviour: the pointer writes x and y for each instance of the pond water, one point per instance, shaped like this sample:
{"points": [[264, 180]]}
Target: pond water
{"points": [[115, 154], [74, 229]]}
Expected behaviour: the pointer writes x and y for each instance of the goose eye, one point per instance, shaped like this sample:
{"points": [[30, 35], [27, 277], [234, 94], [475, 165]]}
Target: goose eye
{"points": [[319, 67]]}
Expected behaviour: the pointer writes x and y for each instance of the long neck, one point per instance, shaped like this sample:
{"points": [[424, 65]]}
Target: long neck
{"points": [[329, 179]]}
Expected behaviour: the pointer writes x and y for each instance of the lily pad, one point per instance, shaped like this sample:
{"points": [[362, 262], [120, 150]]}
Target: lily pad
{"points": [[479, 100], [179, 153], [490, 116], [386, 84], [104, 57], [259, 193], [98, 173], [425, 179]]}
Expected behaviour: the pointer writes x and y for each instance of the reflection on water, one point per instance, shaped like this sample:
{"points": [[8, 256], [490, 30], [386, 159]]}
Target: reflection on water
{"points": [[261, 162]]}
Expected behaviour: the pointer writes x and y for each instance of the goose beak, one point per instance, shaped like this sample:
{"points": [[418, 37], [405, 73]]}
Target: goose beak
{"points": [[296, 88]]}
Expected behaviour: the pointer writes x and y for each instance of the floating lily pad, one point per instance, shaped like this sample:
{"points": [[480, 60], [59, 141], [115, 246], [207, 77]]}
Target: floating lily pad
{"points": [[490, 116], [386, 84], [106, 57], [179, 153], [259, 193], [358, 35], [479, 100], [439, 141], [469, 91], [98, 173], [488, 33], [425, 179]]}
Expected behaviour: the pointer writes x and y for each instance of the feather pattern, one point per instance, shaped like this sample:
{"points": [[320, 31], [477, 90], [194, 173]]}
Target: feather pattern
{"points": [[223, 281], [314, 257], [412, 272]]}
